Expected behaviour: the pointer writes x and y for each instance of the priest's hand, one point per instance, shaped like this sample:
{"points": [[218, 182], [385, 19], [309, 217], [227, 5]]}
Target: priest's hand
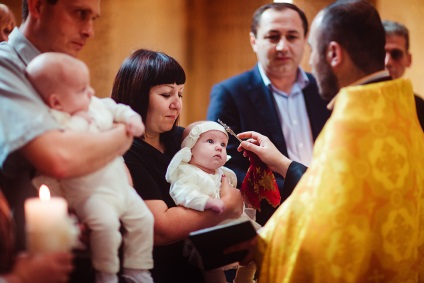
{"points": [[265, 150], [249, 245]]}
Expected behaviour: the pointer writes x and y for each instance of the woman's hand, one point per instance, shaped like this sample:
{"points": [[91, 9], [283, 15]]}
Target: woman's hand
{"points": [[232, 199], [215, 204]]}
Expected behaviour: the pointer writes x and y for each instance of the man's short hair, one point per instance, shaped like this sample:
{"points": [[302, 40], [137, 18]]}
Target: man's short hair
{"points": [[357, 27], [278, 7], [395, 28], [25, 10]]}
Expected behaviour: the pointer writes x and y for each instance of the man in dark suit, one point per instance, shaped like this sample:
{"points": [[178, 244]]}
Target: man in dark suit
{"points": [[398, 57], [276, 98]]}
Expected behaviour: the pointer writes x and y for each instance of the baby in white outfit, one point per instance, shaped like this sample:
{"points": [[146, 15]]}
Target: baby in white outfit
{"points": [[105, 197], [195, 175]]}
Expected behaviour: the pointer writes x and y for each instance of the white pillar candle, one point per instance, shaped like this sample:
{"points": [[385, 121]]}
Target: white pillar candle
{"points": [[47, 223]]}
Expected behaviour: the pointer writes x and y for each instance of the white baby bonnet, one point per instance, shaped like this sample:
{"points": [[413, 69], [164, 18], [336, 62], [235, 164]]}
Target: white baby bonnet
{"points": [[184, 154]]}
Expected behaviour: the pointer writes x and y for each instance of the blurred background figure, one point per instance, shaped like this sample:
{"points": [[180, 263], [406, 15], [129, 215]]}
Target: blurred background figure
{"points": [[7, 22], [398, 57]]}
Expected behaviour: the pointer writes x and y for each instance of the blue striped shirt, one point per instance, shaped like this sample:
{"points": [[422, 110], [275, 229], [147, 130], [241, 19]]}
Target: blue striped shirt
{"points": [[293, 117]]}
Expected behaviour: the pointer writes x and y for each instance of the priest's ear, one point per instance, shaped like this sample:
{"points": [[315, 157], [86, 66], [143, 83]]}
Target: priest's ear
{"points": [[334, 54]]}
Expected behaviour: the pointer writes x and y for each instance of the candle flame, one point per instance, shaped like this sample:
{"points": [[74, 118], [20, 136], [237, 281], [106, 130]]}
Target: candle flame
{"points": [[44, 192]]}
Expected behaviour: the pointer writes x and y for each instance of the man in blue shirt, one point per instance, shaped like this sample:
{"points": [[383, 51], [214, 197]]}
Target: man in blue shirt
{"points": [[31, 139], [276, 98]]}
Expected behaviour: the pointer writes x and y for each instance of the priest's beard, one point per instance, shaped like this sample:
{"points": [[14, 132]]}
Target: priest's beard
{"points": [[328, 84]]}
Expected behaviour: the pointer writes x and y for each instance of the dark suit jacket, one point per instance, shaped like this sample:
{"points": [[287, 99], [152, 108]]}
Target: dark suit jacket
{"points": [[244, 103], [419, 103]]}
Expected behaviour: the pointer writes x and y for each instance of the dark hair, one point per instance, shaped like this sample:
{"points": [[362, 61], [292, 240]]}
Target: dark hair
{"points": [[357, 27], [141, 71], [25, 10], [278, 7], [395, 28]]}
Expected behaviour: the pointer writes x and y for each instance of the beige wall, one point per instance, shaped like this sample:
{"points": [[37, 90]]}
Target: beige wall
{"points": [[210, 38], [218, 48], [127, 25], [311, 8]]}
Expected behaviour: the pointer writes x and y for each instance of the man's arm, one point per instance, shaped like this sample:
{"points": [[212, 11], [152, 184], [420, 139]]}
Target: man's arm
{"points": [[66, 154], [35, 134]]}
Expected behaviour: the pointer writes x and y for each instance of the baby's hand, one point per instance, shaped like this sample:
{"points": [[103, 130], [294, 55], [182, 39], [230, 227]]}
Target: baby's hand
{"points": [[215, 205], [135, 126]]}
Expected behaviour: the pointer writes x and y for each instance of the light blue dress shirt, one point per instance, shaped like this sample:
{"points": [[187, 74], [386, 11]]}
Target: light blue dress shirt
{"points": [[294, 120], [23, 114]]}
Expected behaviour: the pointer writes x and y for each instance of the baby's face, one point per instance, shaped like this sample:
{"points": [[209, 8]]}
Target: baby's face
{"points": [[77, 92], [7, 22], [210, 151]]}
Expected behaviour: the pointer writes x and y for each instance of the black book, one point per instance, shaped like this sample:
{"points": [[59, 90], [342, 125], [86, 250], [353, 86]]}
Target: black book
{"points": [[210, 243]]}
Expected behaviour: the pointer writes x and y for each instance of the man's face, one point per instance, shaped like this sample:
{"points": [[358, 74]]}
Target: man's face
{"points": [[397, 57], [328, 84], [279, 43], [7, 22], [66, 26]]}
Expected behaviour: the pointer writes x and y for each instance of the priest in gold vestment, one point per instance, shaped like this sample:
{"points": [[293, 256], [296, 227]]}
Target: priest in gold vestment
{"points": [[357, 214]]}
